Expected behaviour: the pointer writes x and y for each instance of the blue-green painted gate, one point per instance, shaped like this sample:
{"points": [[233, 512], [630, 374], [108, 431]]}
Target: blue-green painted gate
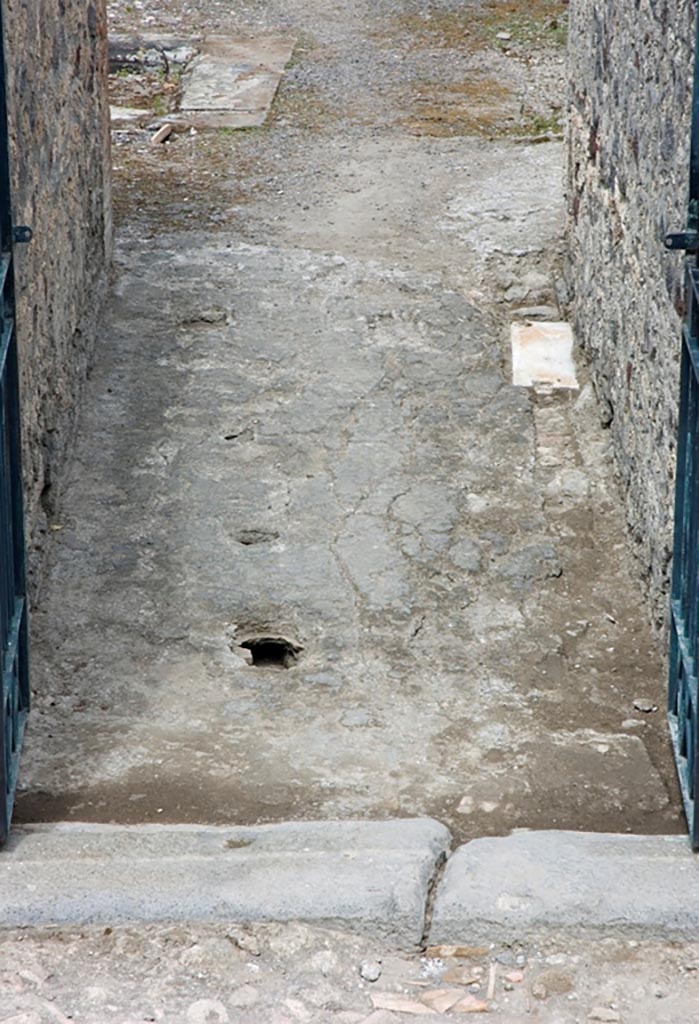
{"points": [[13, 605], [683, 691]]}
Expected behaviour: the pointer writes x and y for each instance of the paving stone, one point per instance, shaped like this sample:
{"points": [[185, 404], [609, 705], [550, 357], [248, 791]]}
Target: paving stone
{"points": [[368, 876], [232, 82], [529, 883]]}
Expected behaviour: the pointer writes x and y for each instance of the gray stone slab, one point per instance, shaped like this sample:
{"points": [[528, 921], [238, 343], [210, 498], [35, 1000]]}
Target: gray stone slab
{"points": [[234, 77], [529, 883], [368, 876], [216, 85]]}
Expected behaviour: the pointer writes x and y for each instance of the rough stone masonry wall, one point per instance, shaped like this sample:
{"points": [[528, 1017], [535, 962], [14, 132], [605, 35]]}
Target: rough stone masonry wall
{"points": [[57, 68], [630, 65]]}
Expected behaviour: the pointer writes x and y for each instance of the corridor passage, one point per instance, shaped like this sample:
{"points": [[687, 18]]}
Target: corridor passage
{"points": [[301, 447]]}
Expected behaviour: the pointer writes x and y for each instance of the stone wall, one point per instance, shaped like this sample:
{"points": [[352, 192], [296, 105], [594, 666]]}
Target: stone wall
{"points": [[630, 72], [57, 93]]}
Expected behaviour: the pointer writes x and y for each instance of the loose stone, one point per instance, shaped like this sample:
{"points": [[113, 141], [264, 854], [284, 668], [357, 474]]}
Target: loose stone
{"points": [[370, 970]]}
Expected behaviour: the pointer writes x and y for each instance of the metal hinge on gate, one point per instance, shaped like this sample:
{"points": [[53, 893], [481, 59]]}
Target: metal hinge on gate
{"points": [[687, 240], [22, 234]]}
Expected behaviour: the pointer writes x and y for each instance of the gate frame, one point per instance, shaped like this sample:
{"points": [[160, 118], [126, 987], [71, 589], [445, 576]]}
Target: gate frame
{"points": [[14, 625]]}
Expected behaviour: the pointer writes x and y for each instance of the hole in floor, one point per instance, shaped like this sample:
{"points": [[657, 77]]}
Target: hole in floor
{"points": [[240, 434], [248, 537], [272, 652]]}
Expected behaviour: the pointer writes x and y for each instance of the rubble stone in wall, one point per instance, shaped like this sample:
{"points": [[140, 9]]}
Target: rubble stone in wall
{"points": [[59, 126], [631, 74]]}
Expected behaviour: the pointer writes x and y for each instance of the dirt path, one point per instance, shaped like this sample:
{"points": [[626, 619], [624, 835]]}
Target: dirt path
{"points": [[300, 426]]}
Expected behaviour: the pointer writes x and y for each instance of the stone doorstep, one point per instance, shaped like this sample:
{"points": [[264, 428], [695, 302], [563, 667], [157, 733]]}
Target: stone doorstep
{"points": [[375, 877], [581, 883], [369, 876]]}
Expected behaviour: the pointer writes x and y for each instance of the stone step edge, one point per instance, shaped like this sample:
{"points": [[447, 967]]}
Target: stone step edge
{"points": [[384, 878], [369, 876]]}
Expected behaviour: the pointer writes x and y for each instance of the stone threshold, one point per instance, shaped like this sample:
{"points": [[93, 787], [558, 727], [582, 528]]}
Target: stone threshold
{"points": [[382, 878]]}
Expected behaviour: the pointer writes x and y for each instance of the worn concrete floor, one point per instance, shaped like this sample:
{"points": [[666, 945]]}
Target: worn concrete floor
{"points": [[300, 425]]}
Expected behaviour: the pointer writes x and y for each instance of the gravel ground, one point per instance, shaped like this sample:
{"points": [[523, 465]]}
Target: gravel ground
{"points": [[287, 974]]}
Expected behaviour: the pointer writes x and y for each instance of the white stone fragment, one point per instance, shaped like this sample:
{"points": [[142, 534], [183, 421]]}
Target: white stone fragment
{"points": [[542, 355]]}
